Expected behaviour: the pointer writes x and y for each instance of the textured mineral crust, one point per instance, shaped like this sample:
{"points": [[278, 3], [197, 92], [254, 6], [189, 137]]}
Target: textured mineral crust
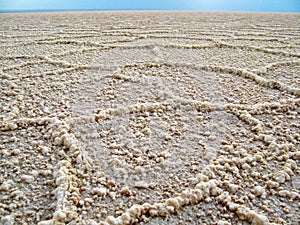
{"points": [[115, 118]]}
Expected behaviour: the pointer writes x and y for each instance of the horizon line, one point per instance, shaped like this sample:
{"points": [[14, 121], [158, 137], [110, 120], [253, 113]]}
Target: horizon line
{"points": [[129, 9]]}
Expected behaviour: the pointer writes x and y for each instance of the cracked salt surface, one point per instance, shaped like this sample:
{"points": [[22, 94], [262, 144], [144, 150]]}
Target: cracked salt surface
{"points": [[118, 119]]}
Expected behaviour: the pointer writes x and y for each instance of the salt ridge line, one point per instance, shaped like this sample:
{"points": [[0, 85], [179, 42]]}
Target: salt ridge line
{"points": [[231, 70], [264, 50], [127, 78], [47, 59], [59, 62], [281, 63], [255, 109], [47, 37], [200, 37], [263, 34], [59, 131], [85, 43], [187, 197], [222, 39], [66, 40], [30, 63], [67, 191], [201, 106], [239, 38], [215, 39], [190, 196], [189, 30], [203, 189], [246, 74], [105, 46], [193, 196], [63, 63], [217, 44], [140, 35], [249, 110]]}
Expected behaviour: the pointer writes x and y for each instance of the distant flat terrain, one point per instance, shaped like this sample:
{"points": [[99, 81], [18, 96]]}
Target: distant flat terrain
{"points": [[149, 117]]}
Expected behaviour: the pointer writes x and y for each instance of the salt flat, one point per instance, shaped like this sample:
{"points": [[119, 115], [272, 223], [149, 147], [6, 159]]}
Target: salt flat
{"points": [[149, 117]]}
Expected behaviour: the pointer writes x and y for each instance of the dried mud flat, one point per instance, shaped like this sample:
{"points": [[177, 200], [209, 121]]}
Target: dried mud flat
{"points": [[149, 118]]}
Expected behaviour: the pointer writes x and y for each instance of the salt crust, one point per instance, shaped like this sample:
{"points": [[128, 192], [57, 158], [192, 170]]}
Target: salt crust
{"points": [[76, 161]]}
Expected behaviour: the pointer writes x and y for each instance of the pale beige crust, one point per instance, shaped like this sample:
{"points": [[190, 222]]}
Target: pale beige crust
{"points": [[149, 117]]}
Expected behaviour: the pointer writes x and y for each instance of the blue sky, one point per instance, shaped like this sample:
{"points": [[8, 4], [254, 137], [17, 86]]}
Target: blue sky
{"points": [[215, 5]]}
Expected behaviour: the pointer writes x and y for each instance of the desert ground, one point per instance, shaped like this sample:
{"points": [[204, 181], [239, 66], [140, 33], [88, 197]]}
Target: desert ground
{"points": [[149, 117]]}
